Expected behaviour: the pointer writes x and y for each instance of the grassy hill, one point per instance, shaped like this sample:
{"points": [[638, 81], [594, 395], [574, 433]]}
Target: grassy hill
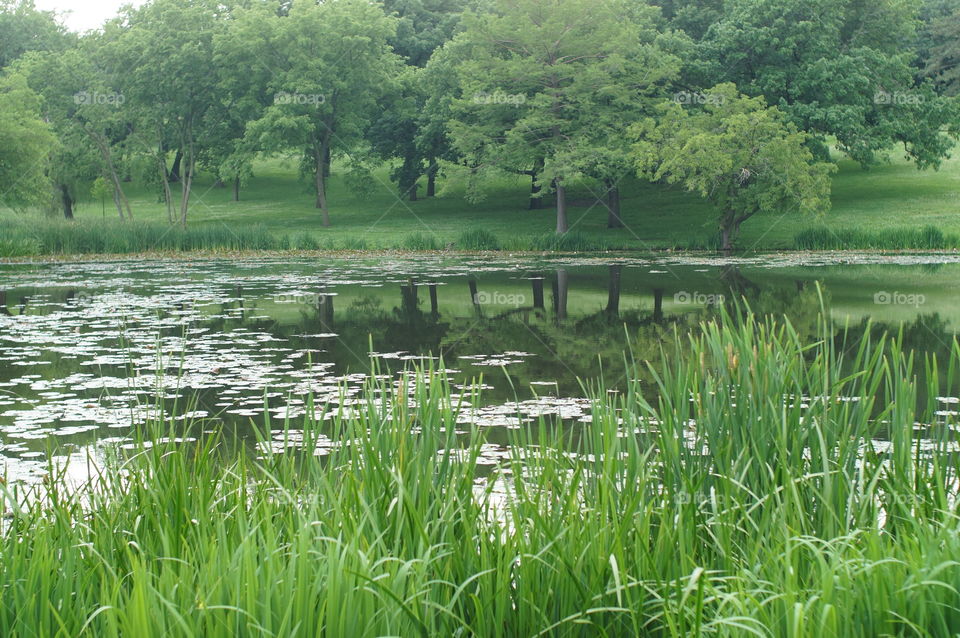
{"points": [[278, 205]]}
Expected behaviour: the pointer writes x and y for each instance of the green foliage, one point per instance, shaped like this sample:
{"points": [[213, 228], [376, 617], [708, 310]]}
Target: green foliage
{"points": [[844, 529], [546, 86], [477, 239], [26, 144], [19, 247], [24, 28], [837, 68], [327, 66], [738, 154], [420, 241], [927, 238], [943, 61], [569, 242], [91, 237]]}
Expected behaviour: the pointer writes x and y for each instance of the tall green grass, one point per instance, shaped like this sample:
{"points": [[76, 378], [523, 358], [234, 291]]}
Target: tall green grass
{"points": [[477, 239], [926, 238], [747, 499], [56, 237]]}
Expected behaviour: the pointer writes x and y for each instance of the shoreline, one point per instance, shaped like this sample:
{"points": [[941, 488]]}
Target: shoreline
{"points": [[215, 255]]}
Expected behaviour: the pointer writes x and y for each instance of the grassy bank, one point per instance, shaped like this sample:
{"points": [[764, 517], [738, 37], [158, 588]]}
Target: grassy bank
{"points": [[801, 503], [887, 202]]}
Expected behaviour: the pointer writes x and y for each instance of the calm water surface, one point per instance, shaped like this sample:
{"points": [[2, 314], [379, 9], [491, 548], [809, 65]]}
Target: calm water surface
{"points": [[88, 352]]}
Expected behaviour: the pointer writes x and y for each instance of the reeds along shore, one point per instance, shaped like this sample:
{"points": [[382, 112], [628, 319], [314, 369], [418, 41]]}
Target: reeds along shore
{"points": [[773, 488]]}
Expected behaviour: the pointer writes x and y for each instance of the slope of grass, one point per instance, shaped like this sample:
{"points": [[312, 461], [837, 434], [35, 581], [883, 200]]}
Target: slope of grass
{"points": [[893, 198], [729, 507]]}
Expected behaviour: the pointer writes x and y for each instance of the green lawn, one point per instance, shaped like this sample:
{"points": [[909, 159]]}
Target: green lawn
{"points": [[893, 195]]}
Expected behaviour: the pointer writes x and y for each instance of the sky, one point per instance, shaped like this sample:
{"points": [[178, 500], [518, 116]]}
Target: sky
{"points": [[84, 14]]}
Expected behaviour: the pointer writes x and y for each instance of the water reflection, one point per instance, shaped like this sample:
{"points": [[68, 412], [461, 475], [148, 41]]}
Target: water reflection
{"points": [[84, 349]]}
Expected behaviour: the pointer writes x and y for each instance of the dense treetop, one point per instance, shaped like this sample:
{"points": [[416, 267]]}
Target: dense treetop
{"points": [[563, 91]]}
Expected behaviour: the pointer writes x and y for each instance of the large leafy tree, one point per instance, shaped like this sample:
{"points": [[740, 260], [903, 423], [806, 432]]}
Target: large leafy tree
{"points": [[26, 145], [86, 115], [736, 152], [693, 17], [162, 54], [423, 26], [542, 81], [328, 66], [403, 131], [943, 56], [25, 28], [840, 69]]}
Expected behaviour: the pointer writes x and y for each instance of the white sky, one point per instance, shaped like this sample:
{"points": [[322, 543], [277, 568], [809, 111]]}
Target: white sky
{"points": [[84, 14]]}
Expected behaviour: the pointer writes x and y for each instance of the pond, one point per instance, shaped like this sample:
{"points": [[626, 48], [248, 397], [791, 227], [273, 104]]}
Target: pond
{"points": [[91, 351]]}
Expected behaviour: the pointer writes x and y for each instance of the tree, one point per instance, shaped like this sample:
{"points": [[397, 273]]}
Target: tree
{"points": [[163, 58], [543, 80], [693, 17], [329, 65], [394, 133], [84, 113], [404, 130], [26, 144], [736, 152], [943, 61], [423, 26], [24, 28], [840, 69]]}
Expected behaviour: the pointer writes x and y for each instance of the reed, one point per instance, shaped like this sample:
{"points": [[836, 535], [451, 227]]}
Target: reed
{"points": [[769, 487], [926, 238]]}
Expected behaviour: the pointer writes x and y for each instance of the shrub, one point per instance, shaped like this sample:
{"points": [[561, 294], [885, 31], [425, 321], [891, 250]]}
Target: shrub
{"points": [[477, 239], [420, 241]]}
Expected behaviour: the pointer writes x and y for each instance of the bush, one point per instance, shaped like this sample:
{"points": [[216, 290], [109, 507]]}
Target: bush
{"points": [[420, 241], [568, 242], [477, 239], [926, 238], [18, 247]]}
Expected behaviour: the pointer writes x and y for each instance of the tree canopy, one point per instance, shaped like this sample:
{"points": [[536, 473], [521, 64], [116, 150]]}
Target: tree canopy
{"points": [[564, 95]]}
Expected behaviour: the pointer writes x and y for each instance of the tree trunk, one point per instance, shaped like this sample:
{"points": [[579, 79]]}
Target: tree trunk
{"points": [[475, 297], [657, 305], [413, 192], [186, 184], [729, 229], [726, 240], [560, 285], [236, 188], [326, 161], [432, 179], [175, 169], [67, 202], [321, 176], [3, 303], [613, 205], [537, 283], [434, 302], [165, 184], [325, 310], [536, 201], [613, 291], [119, 197], [562, 225]]}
